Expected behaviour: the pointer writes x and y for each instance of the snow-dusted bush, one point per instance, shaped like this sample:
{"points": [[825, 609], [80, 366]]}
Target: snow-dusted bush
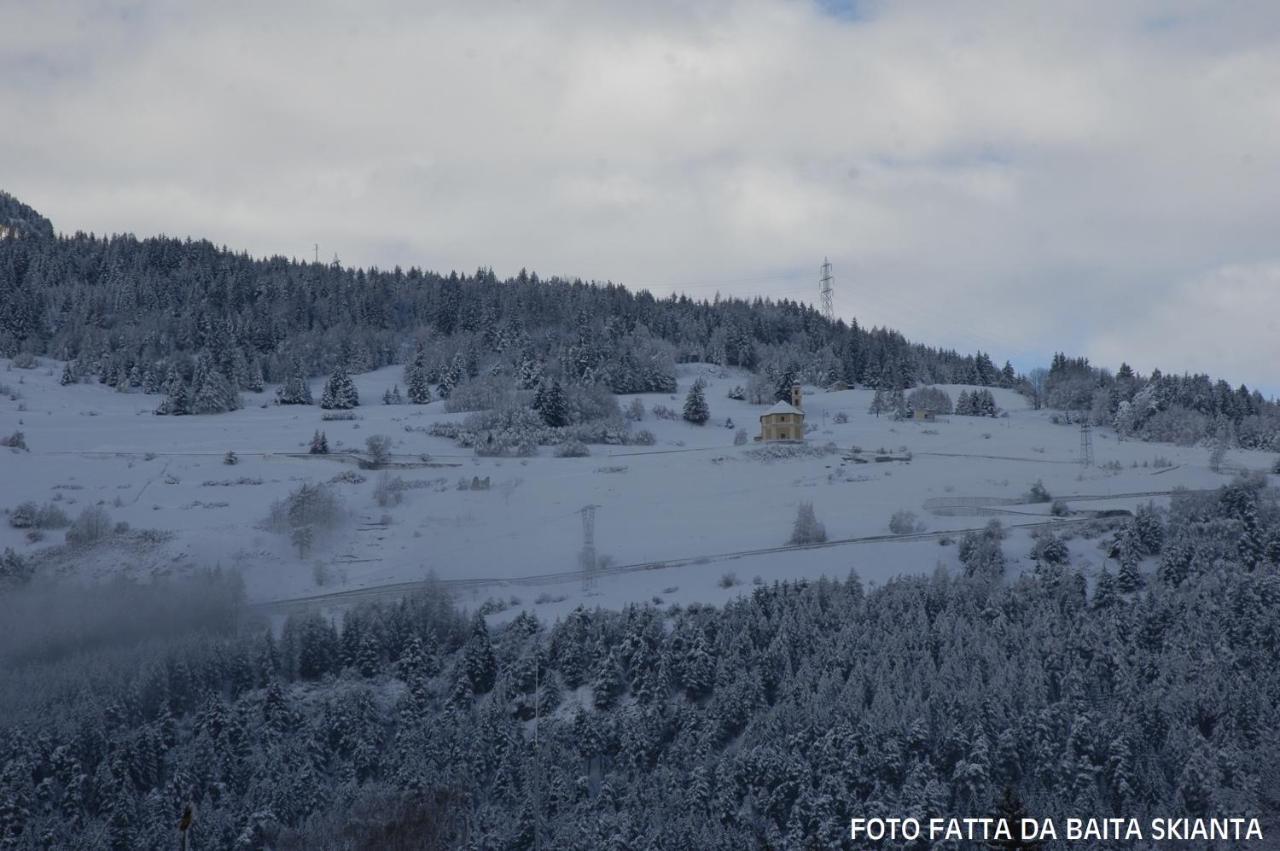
{"points": [[1038, 493], [635, 410], [840, 418], [728, 580], [904, 522], [1059, 508], [303, 513], [388, 491], [760, 390], [378, 446], [499, 432], [14, 569], [932, 399], [737, 392], [1275, 467], [591, 403], [785, 451], [572, 449], [662, 412], [23, 516], [807, 529], [1217, 455], [740, 437], [91, 526], [644, 437], [1050, 549], [25, 360], [482, 394], [17, 440], [230, 459]]}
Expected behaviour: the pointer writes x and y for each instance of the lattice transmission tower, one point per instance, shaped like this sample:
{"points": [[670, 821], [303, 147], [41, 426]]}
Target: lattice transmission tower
{"points": [[1086, 443], [825, 289]]}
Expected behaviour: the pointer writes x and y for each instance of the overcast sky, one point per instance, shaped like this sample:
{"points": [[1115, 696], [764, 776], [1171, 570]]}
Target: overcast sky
{"points": [[1102, 178]]}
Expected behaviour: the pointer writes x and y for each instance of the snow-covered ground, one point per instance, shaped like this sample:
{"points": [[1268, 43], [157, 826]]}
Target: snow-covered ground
{"points": [[693, 498]]}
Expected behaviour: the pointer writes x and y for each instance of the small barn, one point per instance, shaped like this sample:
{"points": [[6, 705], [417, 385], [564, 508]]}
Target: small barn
{"points": [[924, 415], [784, 421]]}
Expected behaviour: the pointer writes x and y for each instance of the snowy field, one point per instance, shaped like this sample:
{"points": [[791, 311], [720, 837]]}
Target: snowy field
{"points": [[673, 520]]}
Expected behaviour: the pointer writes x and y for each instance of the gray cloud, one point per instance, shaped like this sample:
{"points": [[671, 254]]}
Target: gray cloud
{"points": [[1020, 177]]}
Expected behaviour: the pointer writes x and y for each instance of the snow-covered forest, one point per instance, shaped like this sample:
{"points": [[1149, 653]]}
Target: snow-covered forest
{"points": [[180, 317], [1100, 641], [753, 725]]}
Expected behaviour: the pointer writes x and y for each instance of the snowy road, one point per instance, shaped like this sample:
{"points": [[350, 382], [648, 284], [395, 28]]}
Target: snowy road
{"points": [[395, 590]]}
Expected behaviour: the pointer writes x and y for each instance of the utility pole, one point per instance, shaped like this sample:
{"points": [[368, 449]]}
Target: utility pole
{"points": [[1086, 442], [588, 555], [825, 289]]}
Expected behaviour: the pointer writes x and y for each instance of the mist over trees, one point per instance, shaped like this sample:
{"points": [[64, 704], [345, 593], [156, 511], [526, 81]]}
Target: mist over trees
{"points": [[762, 723]]}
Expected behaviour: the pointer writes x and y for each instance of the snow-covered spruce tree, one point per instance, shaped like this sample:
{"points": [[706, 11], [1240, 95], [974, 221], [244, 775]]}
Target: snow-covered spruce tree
{"points": [[695, 404], [807, 529], [68, 374], [528, 370], [339, 392], [879, 404], [981, 553], [151, 380], [211, 393], [319, 444], [295, 390], [551, 404], [392, 396], [177, 401], [1128, 551], [417, 384], [451, 376]]}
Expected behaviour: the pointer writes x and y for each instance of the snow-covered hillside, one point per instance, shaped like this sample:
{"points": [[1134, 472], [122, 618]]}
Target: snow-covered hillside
{"points": [[672, 519]]}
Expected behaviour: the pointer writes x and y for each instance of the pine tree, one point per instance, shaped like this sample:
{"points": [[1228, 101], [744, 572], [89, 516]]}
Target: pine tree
{"points": [[339, 392], [1104, 593], [254, 383], [392, 396], [695, 404], [295, 390], [807, 528], [151, 381], [417, 384], [552, 405], [529, 370], [1129, 578], [68, 374], [319, 444], [879, 404], [176, 403], [211, 392], [451, 376], [608, 684], [478, 661]]}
